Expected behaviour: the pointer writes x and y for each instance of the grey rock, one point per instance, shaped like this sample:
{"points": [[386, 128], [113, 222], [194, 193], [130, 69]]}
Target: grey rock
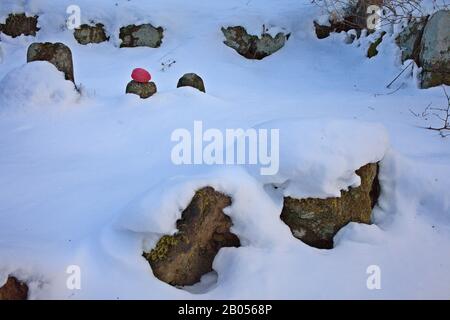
{"points": [[250, 46], [410, 38], [435, 50], [144, 35]]}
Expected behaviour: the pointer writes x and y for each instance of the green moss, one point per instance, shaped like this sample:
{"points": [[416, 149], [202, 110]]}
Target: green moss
{"points": [[162, 248], [372, 52]]}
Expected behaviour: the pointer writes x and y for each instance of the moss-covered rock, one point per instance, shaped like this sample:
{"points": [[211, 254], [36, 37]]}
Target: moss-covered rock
{"points": [[14, 289], [144, 35], [19, 24], [57, 54], [143, 90], [203, 230], [316, 221], [250, 46], [86, 34], [191, 80]]}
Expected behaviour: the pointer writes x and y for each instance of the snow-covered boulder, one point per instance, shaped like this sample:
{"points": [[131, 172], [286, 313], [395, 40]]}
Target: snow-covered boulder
{"points": [[316, 221], [20, 24], [36, 85], [86, 34], [191, 80], [250, 46], [144, 35], [182, 259], [57, 54], [435, 50]]}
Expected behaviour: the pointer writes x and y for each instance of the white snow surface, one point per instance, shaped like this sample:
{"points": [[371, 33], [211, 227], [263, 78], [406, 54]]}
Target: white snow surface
{"points": [[88, 180], [23, 88]]}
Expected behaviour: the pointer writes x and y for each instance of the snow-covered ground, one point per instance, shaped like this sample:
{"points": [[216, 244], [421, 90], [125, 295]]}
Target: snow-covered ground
{"points": [[89, 181]]}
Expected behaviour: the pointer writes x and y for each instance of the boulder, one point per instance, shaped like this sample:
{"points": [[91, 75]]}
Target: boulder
{"points": [[144, 35], [191, 80], [203, 230], [435, 50], [250, 46], [57, 54], [86, 34], [410, 38], [14, 289], [19, 24], [316, 221], [142, 89]]}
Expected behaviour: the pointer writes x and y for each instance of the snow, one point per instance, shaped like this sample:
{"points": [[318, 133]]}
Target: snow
{"points": [[89, 181], [23, 88], [316, 159]]}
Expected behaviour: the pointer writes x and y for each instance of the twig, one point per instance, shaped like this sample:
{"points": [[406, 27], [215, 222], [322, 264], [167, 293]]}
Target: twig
{"points": [[390, 83]]}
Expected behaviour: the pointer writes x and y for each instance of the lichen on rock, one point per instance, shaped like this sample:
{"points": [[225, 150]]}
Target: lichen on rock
{"points": [[435, 50], [409, 39], [316, 221], [86, 34], [143, 90], [57, 54], [144, 35], [191, 80], [250, 46], [20, 24], [183, 258]]}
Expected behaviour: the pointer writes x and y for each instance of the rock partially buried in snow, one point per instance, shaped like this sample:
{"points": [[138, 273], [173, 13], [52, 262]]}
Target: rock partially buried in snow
{"points": [[191, 80], [316, 221], [57, 54], [203, 230], [86, 34], [410, 38], [435, 50], [250, 46], [14, 289], [144, 35], [142, 89], [19, 24]]}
